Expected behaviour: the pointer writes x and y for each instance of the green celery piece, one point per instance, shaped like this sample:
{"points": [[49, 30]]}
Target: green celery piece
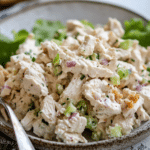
{"points": [[144, 81], [96, 136], [82, 106], [45, 30], [91, 122], [94, 56], [56, 60], [115, 131], [57, 42], [126, 44], [57, 70], [115, 80], [87, 23], [69, 109], [123, 73], [59, 88]]}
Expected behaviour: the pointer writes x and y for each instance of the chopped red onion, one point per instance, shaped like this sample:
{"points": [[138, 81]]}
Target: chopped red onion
{"points": [[6, 87], [71, 63], [72, 115], [139, 87], [104, 62]]}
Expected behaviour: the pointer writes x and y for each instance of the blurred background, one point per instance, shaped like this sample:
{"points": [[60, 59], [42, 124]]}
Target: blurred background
{"points": [[141, 7]]}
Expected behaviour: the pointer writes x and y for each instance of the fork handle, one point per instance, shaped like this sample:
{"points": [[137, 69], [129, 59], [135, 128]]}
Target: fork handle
{"points": [[23, 141]]}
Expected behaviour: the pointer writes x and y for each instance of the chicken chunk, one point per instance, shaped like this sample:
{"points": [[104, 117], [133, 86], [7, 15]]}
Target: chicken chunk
{"points": [[71, 127]]}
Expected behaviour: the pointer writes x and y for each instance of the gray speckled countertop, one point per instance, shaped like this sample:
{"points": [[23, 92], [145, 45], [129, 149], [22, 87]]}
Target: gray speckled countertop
{"points": [[140, 6]]}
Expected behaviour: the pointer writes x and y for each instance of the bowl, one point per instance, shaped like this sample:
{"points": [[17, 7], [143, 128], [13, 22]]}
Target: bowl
{"points": [[95, 12]]}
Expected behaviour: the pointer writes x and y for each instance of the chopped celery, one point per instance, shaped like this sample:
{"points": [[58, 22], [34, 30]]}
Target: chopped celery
{"points": [[115, 80], [59, 88], [126, 44], [56, 60], [94, 56], [57, 70], [91, 122], [115, 131], [82, 77], [144, 81], [70, 109], [123, 73], [96, 135], [82, 107], [57, 42]]}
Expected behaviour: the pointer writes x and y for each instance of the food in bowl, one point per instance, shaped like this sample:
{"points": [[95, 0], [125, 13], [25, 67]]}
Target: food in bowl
{"points": [[81, 77]]}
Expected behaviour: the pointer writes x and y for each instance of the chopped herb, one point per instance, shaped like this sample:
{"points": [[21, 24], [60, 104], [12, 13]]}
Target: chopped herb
{"points": [[31, 106], [91, 122], [63, 103], [30, 51], [126, 44], [77, 35], [82, 107], [118, 65], [133, 60], [107, 96], [98, 56], [17, 57], [67, 99], [82, 77], [115, 42], [148, 81], [27, 53], [90, 57], [45, 122], [148, 69], [142, 70], [37, 111], [33, 59], [43, 84]]}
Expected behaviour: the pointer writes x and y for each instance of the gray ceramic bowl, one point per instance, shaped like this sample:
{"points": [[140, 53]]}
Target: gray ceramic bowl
{"points": [[95, 12]]}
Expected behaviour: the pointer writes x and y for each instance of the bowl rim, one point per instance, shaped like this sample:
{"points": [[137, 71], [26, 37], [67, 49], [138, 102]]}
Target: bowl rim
{"points": [[45, 2], [130, 136]]}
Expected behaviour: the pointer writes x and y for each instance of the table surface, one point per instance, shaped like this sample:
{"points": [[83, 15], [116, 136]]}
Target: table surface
{"points": [[139, 6]]}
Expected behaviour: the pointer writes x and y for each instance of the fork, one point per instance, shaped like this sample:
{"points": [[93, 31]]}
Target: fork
{"points": [[23, 141]]}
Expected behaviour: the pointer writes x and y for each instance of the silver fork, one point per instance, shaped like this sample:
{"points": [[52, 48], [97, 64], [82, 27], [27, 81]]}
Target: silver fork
{"points": [[23, 141]]}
